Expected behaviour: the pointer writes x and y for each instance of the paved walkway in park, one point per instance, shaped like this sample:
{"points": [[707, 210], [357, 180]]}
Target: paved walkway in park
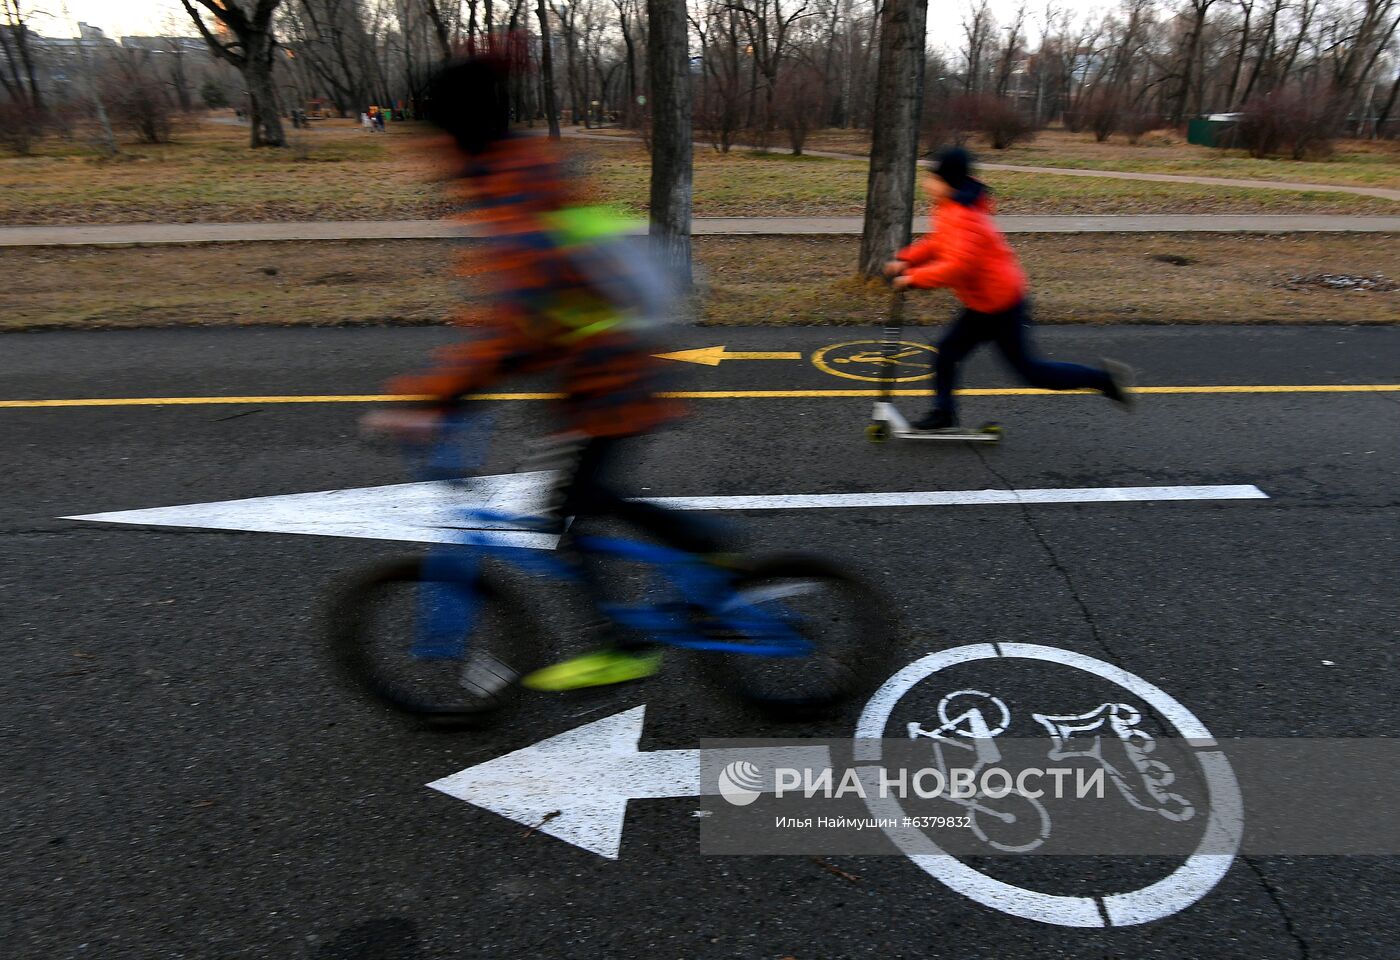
{"points": [[97, 235], [1362, 191]]}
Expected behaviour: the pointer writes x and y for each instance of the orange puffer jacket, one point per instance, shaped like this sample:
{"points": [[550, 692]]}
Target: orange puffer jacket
{"points": [[965, 252]]}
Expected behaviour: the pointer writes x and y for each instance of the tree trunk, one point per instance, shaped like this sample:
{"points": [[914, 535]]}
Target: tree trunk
{"points": [[551, 111], [444, 39], [1248, 9], [894, 144], [107, 141], [1384, 116], [264, 118], [630, 114], [179, 80], [36, 97], [668, 61], [252, 55]]}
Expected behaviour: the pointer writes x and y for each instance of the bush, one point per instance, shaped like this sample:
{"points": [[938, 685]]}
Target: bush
{"points": [[797, 103], [1102, 113], [21, 127], [996, 118], [947, 122], [1139, 123], [718, 114], [1288, 122], [1003, 124], [213, 95], [142, 106]]}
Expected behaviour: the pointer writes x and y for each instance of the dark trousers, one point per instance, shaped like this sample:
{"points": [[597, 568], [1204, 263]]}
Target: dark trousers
{"points": [[592, 495], [1009, 331]]}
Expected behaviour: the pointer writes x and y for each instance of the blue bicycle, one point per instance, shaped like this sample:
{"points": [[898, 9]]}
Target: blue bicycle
{"points": [[446, 638]]}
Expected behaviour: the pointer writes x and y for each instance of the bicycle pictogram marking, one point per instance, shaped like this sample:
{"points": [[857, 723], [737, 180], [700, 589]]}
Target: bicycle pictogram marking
{"points": [[875, 361]]}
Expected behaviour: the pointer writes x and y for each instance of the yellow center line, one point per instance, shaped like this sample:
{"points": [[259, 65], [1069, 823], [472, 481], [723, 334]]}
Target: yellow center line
{"points": [[694, 395]]}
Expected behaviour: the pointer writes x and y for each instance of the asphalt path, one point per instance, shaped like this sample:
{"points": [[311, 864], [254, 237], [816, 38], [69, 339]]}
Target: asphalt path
{"points": [[182, 777]]}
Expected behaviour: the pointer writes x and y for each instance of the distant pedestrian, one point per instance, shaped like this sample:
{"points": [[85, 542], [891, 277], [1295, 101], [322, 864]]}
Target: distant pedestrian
{"points": [[365, 122]]}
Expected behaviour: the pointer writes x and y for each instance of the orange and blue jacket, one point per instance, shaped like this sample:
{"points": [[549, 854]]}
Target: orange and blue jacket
{"points": [[965, 252], [612, 383]]}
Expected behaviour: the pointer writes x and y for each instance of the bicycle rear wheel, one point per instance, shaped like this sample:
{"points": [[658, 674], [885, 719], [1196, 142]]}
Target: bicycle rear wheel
{"points": [[842, 619], [445, 649]]}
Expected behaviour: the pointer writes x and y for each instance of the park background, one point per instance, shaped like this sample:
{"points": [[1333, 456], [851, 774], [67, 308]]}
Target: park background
{"points": [[182, 125]]}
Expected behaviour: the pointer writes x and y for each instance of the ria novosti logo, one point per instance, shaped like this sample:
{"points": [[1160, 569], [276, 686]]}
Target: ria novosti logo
{"points": [[740, 783]]}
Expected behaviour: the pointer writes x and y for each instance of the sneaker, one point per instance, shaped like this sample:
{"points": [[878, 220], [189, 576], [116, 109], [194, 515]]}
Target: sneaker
{"points": [[1120, 383], [597, 669], [936, 420]]}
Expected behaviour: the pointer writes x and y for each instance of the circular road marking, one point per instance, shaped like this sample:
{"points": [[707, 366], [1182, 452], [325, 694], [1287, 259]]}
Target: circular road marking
{"points": [[876, 362], [1173, 893]]}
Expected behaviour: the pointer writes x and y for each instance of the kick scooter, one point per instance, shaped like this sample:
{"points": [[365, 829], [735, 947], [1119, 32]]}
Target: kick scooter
{"points": [[886, 421]]}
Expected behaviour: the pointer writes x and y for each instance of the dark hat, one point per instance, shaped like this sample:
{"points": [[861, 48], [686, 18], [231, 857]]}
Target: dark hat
{"points": [[953, 165], [470, 99]]}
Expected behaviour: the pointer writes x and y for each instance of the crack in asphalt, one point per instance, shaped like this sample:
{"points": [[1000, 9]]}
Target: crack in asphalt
{"points": [[1054, 559], [1303, 950]]}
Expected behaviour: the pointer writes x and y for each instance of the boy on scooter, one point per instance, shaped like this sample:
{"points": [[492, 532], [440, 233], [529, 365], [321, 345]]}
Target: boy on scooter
{"points": [[967, 253]]}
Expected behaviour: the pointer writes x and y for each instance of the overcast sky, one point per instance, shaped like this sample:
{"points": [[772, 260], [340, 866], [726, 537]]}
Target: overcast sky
{"points": [[138, 17]]}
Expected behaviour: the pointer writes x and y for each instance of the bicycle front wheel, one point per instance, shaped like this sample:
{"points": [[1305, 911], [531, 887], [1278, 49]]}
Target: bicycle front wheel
{"points": [[834, 627], [445, 649]]}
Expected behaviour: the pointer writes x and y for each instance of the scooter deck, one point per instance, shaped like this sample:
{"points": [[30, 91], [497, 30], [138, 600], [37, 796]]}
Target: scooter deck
{"points": [[987, 433], [886, 421]]}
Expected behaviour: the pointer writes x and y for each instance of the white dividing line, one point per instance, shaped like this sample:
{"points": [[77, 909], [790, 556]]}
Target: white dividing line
{"points": [[943, 498], [432, 512]]}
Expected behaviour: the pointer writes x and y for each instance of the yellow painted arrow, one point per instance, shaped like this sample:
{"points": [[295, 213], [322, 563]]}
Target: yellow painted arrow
{"points": [[714, 356]]}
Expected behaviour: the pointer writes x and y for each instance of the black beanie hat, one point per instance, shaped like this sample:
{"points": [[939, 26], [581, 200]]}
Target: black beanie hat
{"points": [[470, 99], [953, 165]]}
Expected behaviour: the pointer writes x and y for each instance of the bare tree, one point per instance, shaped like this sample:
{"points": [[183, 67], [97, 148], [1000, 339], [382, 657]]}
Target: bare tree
{"points": [[627, 13], [894, 143], [1368, 30], [21, 84], [251, 50], [1190, 56], [668, 58], [106, 140], [977, 34], [1009, 53], [1242, 51], [137, 97], [721, 96], [798, 102], [769, 30], [551, 110], [442, 27]]}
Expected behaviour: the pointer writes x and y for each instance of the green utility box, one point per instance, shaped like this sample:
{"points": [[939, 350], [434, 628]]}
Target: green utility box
{"points": [[1215, 131]]}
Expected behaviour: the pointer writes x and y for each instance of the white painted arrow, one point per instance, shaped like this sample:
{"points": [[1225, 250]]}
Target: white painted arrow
{"points": [[432, 512], [418, 512], [576, 786]]}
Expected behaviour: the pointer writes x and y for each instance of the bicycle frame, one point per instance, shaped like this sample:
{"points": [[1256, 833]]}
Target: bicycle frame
{"points": [[448, 613]]}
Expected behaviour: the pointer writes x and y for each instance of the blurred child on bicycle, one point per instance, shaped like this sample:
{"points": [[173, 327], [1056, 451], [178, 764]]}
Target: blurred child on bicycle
{"points": [[568, 295]]}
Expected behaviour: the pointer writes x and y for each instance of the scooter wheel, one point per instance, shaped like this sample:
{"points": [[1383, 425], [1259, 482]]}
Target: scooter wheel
{"points": [[877, 432]]}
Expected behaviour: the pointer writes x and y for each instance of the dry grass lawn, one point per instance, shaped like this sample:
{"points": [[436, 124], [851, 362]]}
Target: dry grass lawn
{"points": [[743, 183], [1092, 278], [1355, 162], [336, 171]]}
